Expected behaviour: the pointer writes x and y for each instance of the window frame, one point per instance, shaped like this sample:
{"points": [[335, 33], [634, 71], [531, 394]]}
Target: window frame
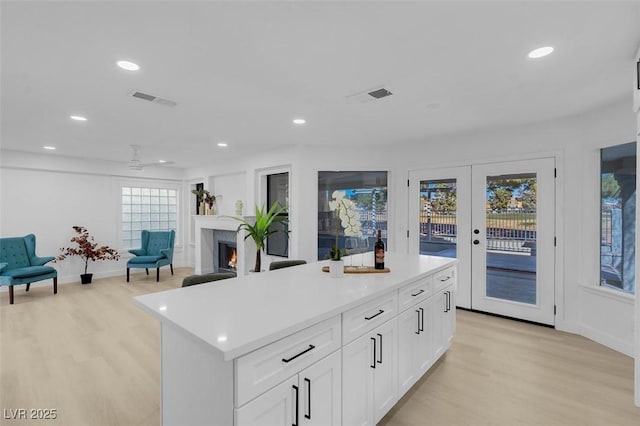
{"points": [[598, 246], [168, 185]]}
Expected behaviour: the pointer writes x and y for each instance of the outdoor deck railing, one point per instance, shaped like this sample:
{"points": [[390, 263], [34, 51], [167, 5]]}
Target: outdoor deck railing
{"points": [[512, 232]]}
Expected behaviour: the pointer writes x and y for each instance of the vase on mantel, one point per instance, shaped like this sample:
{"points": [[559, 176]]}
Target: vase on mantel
{"points": [[202, 207], [210, 210], [336, 268]]}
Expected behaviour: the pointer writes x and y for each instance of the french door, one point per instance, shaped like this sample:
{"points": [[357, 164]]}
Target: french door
{"points": [[498, 220]]}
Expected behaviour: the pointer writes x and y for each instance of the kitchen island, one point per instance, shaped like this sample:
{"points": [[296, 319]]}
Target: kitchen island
{"points": [[295, 346]]}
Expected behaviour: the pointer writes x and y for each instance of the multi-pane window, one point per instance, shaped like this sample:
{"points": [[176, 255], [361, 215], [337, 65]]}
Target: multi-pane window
{"points": [[368, 191], [618, 217], [147, 208]]}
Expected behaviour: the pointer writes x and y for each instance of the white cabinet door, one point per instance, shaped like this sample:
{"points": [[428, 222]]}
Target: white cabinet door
{"points": [[357, 382], [273, 408], [438, 311], [424, 340], [415, 348], [408, 331], [320, 402], [385, 379], [449, 320]]}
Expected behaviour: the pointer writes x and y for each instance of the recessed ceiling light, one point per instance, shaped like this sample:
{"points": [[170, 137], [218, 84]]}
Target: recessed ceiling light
{"points": [[299, 121], [162, 161], [78, 118], [50, 148], [540, 52], [222, 144], [129, 66]]}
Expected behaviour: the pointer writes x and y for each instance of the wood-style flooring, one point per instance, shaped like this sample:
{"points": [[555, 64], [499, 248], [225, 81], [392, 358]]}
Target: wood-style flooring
{"points": [[93, 356]]}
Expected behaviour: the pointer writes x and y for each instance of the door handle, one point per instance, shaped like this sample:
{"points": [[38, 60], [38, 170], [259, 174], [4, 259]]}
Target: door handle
{"points": [[422, 319], [375, 315], [446, 302], [418, 312], [373, 364], [308, 415], [295, 388], [380, 336], [311, 347], [476, 242]]}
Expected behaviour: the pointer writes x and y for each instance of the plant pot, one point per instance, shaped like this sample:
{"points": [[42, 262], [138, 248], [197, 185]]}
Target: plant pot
{"points": [[86, 278], [336, 268]]}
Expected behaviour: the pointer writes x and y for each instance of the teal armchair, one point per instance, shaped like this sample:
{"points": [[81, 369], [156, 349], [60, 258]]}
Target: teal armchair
{"points": [[156, 252], [20, 265]]}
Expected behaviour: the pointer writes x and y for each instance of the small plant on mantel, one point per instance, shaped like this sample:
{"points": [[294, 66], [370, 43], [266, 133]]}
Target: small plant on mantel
{"points": [[261, 228], [87, 249]]}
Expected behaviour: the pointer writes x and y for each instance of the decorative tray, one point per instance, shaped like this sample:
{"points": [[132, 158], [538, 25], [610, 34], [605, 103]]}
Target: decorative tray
{"points": [[360, 270]]}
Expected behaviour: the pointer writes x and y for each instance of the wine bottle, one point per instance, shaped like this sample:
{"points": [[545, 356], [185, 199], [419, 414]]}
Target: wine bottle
{"points": [[379, 252]]}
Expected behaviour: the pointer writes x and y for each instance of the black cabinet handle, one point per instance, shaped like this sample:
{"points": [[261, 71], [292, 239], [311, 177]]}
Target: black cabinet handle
{"points": [[311, 347], [446, 302], [418, 312], [308, 415], [380, 360], [418, 293], [422, 319], [295, 388], [375, 315], [373, 364], [445, 279]]}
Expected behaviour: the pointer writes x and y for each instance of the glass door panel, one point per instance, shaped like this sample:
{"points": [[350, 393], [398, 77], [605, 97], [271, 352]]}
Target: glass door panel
{"points": [[437, 217], [440, 220], [513, 254], [510, 223]]}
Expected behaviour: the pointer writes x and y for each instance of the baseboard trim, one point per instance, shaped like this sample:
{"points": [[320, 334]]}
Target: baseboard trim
{"points": [[491, 314]]}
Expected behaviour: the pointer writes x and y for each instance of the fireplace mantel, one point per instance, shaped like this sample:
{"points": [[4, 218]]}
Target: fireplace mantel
{"points": [[205, 250]]}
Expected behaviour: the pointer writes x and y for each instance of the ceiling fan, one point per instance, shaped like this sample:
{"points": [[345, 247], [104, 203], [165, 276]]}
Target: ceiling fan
{"points": [[135, 164]]}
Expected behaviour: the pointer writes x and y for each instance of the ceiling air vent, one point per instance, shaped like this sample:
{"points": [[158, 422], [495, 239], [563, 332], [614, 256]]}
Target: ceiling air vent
{"points": [[153, 98], [370, 95], [380, 93]]}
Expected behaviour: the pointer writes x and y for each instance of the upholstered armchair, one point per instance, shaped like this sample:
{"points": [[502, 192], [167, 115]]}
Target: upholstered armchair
{"points": [[20, 265], [156, 251]]}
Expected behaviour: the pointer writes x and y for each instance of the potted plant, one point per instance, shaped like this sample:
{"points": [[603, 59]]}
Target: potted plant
{"points": [[350, 221], [261, 228], [87, 249]]}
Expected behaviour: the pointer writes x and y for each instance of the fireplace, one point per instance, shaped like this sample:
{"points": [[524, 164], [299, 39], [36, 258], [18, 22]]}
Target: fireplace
{"points": [[227, 256]]}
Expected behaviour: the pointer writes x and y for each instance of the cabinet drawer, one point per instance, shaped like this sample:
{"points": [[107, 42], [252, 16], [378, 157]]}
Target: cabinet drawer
{"points": [[368, 316], [411, 294], [264, 368], [444, 278]]}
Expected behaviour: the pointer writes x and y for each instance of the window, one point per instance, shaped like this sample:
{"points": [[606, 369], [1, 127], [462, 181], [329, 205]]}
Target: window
{"points": [[368, 190], [278, 190], [147, 208], [618, 217]]}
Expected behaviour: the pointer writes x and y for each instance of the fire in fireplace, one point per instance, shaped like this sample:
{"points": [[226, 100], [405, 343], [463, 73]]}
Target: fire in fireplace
{"points": [[227, 256]]}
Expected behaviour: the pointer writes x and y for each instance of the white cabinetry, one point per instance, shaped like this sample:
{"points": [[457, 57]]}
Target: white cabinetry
{"points": [[311, 398], [370, 379], [415, 345], [444, 320]]}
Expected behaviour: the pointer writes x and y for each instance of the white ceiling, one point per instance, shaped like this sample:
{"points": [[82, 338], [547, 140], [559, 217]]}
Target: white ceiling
{"points": [[241, 71]]}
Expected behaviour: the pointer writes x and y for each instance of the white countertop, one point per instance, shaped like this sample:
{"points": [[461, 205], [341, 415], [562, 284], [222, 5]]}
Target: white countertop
{"points": [[238, 315]]}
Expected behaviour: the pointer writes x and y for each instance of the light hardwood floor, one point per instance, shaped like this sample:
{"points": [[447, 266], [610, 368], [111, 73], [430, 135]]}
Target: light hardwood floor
{"points": [[92, 355]]}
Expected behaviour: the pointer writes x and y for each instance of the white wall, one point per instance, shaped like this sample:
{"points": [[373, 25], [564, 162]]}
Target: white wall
{"points": [[47, 195], [583, 307], [79, 195]]}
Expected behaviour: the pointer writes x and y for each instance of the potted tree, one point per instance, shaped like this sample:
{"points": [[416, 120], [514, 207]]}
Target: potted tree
{"points": [[87, 249], [261, 228]]}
